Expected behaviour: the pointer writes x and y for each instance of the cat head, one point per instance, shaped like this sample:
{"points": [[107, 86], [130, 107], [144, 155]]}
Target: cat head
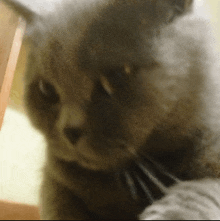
{"points": [[104, 74]]}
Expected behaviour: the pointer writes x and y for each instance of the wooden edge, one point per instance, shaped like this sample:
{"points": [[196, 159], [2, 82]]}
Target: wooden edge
{"points": [[9, 74], [17, 211]]}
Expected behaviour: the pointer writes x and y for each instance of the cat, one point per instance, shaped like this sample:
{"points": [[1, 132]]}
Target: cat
{"points": [[126, 93]]}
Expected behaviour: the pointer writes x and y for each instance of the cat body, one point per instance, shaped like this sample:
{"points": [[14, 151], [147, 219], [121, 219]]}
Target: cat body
{"points": [[126, 94]]}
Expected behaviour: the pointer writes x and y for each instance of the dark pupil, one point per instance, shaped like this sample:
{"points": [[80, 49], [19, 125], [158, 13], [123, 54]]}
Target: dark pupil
{"points": [[48, 91], [116, 77]]}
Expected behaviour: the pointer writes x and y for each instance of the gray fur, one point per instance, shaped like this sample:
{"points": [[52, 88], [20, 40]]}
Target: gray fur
{"points": [[131, 78]]}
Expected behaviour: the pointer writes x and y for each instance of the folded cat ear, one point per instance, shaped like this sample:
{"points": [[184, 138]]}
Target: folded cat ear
{"points": [[23, 10], [179, 7]]}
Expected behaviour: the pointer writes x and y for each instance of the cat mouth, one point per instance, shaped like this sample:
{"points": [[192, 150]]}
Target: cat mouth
{"points": [[144, 177], [88, 162]]}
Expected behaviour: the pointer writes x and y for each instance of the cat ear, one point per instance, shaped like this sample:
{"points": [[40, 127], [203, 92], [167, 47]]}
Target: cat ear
{"points": [[179, 7], [169, 10], [23, 10]]}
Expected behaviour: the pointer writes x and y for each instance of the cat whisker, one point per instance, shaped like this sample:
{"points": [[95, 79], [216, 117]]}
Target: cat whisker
{"points": [[156, 165], [145, 189], [152, 177], [138, 185], [162, 169], [130, 182]]}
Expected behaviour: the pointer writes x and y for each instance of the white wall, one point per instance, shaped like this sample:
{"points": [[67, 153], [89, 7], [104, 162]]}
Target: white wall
{"points": [[22, 154]]}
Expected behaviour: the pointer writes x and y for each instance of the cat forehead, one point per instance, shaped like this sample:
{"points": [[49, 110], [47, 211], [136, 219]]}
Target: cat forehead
{"points": [[91, 33], [121, 10], [103, 31], [110, 18]]}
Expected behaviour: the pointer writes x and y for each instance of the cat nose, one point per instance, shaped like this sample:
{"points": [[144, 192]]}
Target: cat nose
{"points": [[73, 134]]}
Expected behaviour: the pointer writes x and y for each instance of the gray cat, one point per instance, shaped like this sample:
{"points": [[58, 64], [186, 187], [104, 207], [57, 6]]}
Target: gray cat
{"points": [[125, 93]]}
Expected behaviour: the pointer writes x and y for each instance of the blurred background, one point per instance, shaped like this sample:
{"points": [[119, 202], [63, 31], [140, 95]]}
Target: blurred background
{"points": [[21, 146]]}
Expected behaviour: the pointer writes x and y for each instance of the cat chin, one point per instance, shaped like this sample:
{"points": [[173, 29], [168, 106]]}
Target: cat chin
{"points": [[95, 166], [88, 163], [104, 164], [93, 161], [98, 164]]}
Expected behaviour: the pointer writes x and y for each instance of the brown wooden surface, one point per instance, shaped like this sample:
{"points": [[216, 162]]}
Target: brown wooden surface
{"points": [[16, 211], [17, 90], [11, 34]]}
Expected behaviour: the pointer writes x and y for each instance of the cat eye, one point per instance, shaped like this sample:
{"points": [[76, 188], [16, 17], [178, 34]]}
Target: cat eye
{"points": [[48, 92], [106, 85], [115, 78]]}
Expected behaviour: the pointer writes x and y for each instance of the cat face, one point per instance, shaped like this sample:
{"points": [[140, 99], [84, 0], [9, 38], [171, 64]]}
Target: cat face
{"points": [[104, 74]]}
